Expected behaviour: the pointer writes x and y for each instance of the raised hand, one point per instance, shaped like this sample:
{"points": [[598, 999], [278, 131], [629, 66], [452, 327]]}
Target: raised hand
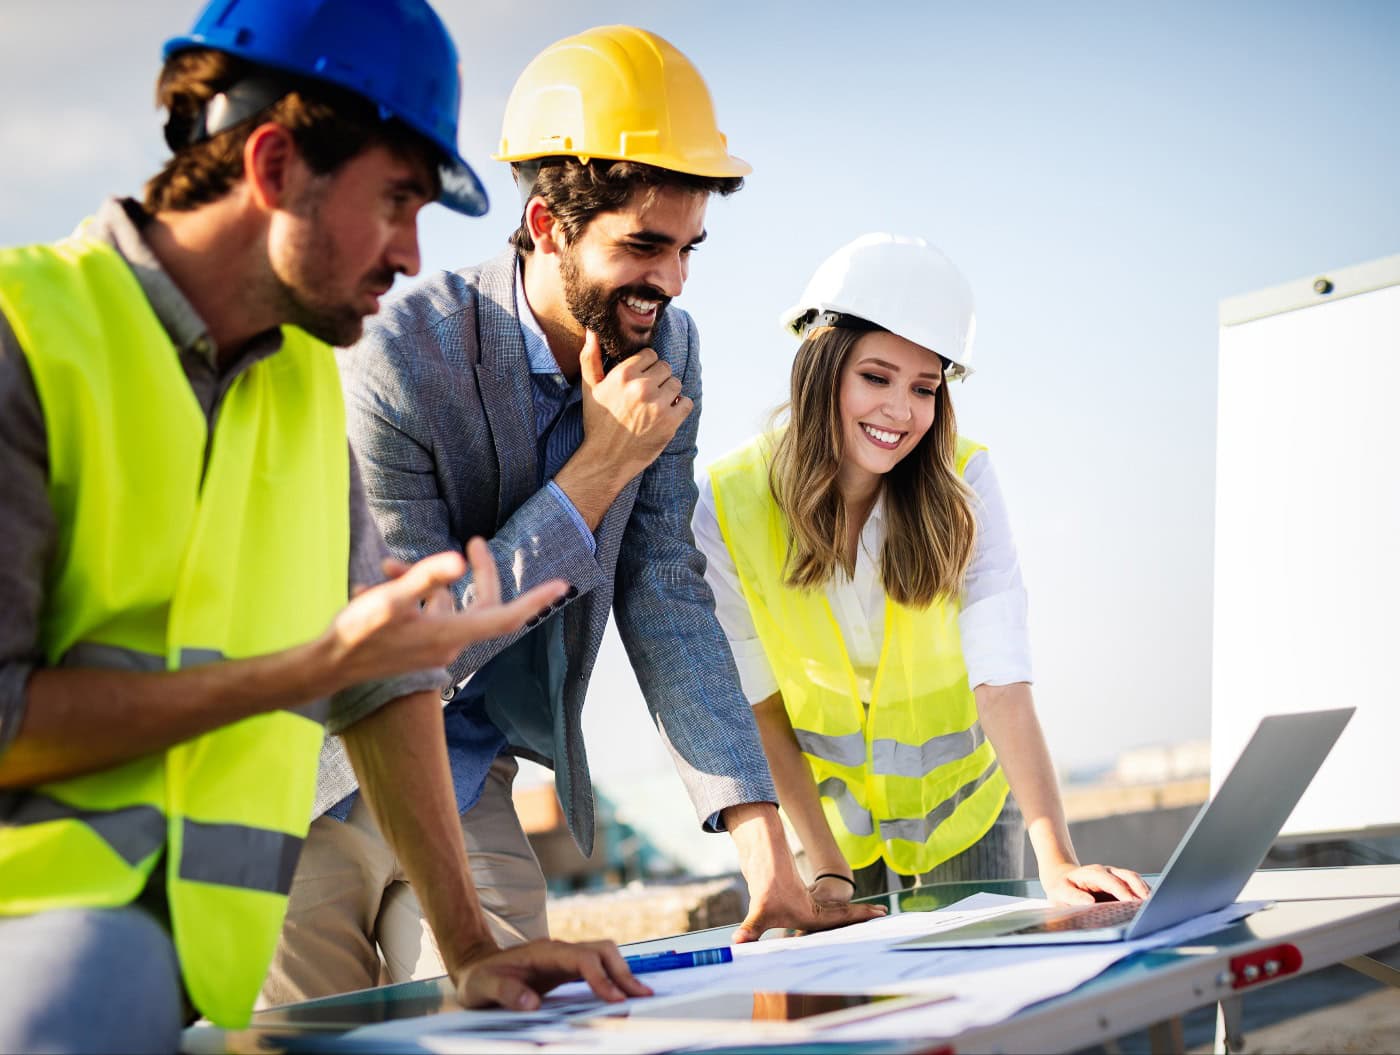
{"points": [[410, 622]]}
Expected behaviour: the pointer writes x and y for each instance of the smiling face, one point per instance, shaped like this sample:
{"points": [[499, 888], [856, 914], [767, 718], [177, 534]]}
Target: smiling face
{"points": [[338, 244], [887, 401], [628, 264]]}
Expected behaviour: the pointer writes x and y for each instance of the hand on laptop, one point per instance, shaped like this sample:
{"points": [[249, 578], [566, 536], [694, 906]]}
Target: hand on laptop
{"points": [[1070, 883]]}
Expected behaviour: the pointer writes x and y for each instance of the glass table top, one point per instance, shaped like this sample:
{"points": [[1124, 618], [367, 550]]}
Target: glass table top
{"points": [[297, 1026]]}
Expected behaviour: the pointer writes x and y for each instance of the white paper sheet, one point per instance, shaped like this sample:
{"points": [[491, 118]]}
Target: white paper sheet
{"points": [[986, 985], [990, 985]]}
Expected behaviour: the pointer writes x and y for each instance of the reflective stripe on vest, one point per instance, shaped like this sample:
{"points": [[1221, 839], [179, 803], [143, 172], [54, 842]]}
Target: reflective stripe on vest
{"points": [[237, 856], [227, 854], [253, 858], [858, 821], [912, 778], [134, 832], [890, 757], [177, 547]]}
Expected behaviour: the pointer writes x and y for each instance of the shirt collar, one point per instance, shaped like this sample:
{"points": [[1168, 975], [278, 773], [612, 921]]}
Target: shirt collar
{"points": [[872, 532], [541, 359], [120, 222]]}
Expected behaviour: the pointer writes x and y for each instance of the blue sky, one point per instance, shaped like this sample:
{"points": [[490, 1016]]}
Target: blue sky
{"points": [[1103, 173]]}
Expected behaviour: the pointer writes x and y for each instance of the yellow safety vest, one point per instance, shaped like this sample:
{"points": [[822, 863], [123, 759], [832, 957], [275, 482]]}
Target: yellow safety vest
{"points": [[176, 547], [914, 780]]}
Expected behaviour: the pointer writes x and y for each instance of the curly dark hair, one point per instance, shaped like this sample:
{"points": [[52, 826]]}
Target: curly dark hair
{"points": [[576, 191], [330, 126]]}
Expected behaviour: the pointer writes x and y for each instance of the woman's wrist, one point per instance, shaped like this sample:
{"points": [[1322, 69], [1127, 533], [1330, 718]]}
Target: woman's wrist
{"points": [[834, 865], [828, 866], [1055, 866]]}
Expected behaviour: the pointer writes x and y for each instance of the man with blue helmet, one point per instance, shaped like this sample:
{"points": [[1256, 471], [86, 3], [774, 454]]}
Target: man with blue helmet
{"points": [[183, 524]]}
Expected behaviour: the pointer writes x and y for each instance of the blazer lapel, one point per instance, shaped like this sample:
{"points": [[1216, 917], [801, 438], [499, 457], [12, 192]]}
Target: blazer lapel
{"points": [[504, 379]]}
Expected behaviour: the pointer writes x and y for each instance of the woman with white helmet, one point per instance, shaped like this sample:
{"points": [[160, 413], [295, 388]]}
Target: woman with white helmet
{"points": [[865, 575]]}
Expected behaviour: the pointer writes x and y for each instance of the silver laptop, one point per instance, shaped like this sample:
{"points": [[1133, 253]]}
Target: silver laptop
{"points": [[1220, 851]]}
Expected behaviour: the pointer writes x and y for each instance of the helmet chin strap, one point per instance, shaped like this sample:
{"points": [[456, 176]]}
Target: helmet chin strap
{"points": [[815, 320], [233, 106]]}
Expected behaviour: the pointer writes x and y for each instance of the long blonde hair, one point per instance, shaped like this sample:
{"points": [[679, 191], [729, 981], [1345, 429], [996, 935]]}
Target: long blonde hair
{"points": [[930, 525]]}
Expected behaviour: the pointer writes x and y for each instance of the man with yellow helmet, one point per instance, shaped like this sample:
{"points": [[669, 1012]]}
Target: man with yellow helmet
{"points": [[548, 400]]}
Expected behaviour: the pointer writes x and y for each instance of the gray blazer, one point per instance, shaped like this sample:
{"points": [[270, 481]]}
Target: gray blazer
{"points": [[438, 399]]}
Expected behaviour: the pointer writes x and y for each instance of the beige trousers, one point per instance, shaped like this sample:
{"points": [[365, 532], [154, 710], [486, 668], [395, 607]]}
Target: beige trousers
{"points": [[353, 921]]}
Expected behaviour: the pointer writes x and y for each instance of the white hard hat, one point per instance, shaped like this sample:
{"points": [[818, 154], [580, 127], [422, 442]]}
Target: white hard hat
{"points": [[900, 284]]}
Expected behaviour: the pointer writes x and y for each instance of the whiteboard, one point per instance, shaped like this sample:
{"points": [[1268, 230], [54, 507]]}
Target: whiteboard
{"points": [[1307, 532]]}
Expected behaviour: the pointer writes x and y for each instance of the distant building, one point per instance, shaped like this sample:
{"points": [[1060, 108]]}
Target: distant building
{"points": [[1161, 764]]}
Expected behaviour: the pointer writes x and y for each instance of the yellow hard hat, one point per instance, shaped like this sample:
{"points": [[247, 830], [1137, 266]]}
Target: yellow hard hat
{"points": [[620, 94]]}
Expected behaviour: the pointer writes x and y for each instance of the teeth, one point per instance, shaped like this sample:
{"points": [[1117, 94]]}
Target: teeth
{"points": [[643, 307], [882, 435]]}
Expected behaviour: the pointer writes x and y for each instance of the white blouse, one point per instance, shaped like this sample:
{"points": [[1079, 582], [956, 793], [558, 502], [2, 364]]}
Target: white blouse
{"points": [[992, 619]]}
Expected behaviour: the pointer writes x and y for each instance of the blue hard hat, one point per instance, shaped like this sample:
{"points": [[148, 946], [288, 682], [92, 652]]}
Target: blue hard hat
{"points": [[395, 53]]}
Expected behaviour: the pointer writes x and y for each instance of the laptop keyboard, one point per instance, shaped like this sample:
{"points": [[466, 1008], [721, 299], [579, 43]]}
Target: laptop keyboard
{"points": [[1089, 917]]}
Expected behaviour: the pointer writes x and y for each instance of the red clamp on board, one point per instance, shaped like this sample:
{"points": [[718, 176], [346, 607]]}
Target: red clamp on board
{"points": [[1264, 965]]}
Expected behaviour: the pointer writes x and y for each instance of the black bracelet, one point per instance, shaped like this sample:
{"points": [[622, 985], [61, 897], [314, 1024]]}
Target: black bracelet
{"points": [[835, 875]]}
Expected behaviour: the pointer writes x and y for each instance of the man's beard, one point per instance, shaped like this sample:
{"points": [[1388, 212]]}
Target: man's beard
{"points": [[337, 325], [303, 301], [596, 308]]}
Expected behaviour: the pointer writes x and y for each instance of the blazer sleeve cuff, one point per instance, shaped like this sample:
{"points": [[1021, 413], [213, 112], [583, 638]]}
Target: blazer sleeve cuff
{"points": [[718, 795], [584, 531], [543, 540]]}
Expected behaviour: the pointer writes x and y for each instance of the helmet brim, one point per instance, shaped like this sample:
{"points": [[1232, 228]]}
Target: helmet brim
{"points": [[462, 191], [789, 319]]}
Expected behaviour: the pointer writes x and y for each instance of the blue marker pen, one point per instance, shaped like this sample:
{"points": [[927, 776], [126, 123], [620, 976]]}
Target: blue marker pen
{"points": [[670, 961]]}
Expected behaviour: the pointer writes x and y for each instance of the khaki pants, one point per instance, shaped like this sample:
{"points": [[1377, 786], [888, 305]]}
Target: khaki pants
{"points": [[353, 921]]}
